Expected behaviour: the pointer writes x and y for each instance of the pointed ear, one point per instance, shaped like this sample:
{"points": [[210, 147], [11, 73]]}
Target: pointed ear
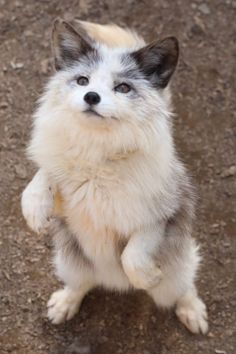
{"points": [[158, 60], [68, 44]]}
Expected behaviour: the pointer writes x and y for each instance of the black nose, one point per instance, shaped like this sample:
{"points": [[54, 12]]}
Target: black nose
{"points": [[92, 98]]}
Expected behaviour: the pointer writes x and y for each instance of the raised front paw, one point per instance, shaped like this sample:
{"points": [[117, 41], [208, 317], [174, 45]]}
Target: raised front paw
{"points": [[142, 271], [37, 207]]}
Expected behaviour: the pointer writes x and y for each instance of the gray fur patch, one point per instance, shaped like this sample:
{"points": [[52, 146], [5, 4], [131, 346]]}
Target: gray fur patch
{"points": [[120, 246], [70, 44], [177, 238], [67, 243], [131, 70]]}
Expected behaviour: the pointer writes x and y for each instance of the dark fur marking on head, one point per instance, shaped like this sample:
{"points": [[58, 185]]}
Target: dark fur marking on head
{"points": [[130, 74], [158, 60], [91, 58], [69, 44]]}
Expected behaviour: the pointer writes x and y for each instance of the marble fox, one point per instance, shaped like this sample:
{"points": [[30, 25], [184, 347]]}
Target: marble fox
{"points": [[110, 185]]}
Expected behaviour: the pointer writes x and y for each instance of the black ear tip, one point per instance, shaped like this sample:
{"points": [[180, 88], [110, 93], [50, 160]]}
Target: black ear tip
{"points": [[173, 39], [57, 22], [171, 45], [176, 42], [173, 42], [60, 26], [56, 25]]}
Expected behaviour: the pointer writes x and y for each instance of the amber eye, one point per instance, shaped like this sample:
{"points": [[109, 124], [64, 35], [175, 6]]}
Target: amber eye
{"points": [[82, 81], [123, 88]]}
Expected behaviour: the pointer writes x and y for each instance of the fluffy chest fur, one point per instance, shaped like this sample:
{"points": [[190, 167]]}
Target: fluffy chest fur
{"points": [[102, 183], [120, 195], [105, 199]]}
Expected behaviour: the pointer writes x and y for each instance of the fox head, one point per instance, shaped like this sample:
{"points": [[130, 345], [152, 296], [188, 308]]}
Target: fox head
{"points": [[106, 96], [104, 83]]}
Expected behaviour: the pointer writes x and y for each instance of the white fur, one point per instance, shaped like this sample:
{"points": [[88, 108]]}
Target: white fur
{"points": [[192, 312], [64, 304], [142, 271], [110, 173], [37, 203]]}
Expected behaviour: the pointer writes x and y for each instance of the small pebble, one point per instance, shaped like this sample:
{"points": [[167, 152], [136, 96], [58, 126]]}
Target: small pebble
{"points": [[16, 66], [78, 348], [45, 66], [21, 171], [204, 8], [229, 172], [3, 105]]}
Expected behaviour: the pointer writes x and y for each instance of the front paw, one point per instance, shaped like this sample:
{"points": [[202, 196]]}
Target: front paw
{"points": [[37, 208], [142, 272]]}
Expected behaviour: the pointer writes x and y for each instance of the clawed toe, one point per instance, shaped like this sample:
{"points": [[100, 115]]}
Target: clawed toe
{"points": [[62, 306], [192, 312]]}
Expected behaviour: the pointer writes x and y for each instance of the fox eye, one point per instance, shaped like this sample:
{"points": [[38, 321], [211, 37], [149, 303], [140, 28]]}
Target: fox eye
{"points": [[82, 81], [123, 88]]}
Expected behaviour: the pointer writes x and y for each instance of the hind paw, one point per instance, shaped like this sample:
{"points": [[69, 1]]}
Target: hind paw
{"points": [[62, 305], [192, 312]]}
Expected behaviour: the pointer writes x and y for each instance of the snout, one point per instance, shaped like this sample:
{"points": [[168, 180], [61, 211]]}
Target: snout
{"points": [[92, 98]]}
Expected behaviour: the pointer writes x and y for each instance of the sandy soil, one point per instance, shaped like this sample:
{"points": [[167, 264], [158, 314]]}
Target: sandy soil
{"points": [[204, 94]]}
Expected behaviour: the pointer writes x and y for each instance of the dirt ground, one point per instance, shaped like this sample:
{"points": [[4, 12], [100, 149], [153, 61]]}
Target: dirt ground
{"points": [[205, 127]]}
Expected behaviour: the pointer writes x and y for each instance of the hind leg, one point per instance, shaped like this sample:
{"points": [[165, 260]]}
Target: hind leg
{"points": [[74, 270], [192, 312], [177, 289], [190, 309], [64, 303]]}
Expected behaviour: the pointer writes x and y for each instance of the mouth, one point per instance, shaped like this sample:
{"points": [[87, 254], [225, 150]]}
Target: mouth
{"points": [[91, 111]]}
